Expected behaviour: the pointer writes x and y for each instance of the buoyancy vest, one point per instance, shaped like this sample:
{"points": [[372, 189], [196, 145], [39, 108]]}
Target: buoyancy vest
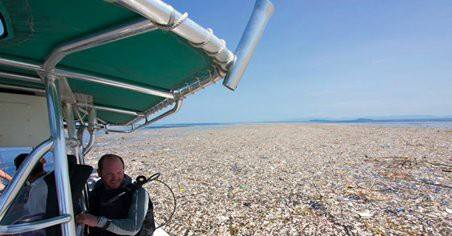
{"points": [[118, 209]]}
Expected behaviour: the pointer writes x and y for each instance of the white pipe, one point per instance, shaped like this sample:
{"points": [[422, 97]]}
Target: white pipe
{"points": [[168, 18], [263, 10]]}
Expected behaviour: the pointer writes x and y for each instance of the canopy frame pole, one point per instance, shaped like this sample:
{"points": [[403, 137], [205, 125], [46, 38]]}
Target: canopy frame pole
{"points": [[104, 108], [25, 89], [99, 39], [62, 182], [20, 64], [73, 141], [111, 109], [102, 122], [116, 84], [35, 225], [21, 176], [139, 116], [55, 117], [181, 94], [263, 10], [92, 124], [132, 127], [19, 77], [161, 16], [175, 109], [78, 76], [167, 18]]}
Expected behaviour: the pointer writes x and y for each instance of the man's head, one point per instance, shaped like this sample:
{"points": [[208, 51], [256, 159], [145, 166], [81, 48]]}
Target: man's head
{"points": [[111, 170], [38, 170]]}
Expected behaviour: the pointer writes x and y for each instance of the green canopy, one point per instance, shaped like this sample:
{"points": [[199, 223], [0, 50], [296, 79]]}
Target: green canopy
{"points": [[157, 59]]}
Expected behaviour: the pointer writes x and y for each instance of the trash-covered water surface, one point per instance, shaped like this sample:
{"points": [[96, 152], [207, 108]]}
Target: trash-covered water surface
{"points": [[289, 179]]}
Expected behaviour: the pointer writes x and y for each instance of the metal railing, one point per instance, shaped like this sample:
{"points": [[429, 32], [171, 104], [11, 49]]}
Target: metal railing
{"points": [[35, 225], [14, 187], [21, 176]]}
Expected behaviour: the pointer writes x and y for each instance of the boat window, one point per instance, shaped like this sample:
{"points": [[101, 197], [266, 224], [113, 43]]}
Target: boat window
{"points": [[2, 26]]}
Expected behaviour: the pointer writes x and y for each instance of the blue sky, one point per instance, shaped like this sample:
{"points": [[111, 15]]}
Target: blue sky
{"points": [[335, 59]]}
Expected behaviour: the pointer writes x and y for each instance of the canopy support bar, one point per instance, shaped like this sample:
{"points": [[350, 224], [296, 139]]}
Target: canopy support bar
{"points": [[167, 18], [110, 109], [59, 152], [102, 122], [104, 108], [25, 78], [112, 83], [77, 76], [263, 10], [92, 124], [175, 109], [20, 88], [74, 143], [144, 121], [182, 93], [98, 39], [20, 64]]}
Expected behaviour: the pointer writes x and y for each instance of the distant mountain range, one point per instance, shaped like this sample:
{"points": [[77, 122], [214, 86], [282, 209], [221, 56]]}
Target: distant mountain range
{"points": [[385, 120], [373, 119]]}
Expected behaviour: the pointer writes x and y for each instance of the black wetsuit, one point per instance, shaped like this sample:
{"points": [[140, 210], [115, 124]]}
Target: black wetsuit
{"points": [[126, 214]]}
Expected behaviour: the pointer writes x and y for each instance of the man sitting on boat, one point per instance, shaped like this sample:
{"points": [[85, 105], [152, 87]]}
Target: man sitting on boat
{"points": [[38, 198], [22, 206], [35, 191], [113, 208]]}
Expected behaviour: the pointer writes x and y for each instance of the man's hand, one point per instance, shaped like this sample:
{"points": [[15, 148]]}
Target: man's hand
{"points": [[5, 175], [87, 219]]}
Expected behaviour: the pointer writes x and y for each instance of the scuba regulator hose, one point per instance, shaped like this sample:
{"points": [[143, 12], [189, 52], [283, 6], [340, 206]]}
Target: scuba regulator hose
{"points": [[174, 208]]}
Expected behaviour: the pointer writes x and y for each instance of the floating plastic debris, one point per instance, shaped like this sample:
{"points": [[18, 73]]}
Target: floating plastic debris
{"points": [[287, 179]]}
